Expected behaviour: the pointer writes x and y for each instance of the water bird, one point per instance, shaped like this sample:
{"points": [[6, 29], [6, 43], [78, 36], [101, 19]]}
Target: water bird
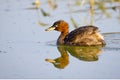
{"points": [[83, 36]]}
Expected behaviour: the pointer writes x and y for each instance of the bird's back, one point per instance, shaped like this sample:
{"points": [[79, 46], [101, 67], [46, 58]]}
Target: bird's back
{"points": [[86, 35]]}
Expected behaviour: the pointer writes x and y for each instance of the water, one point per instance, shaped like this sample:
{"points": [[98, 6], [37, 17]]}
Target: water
{"points": [[26, 49]]}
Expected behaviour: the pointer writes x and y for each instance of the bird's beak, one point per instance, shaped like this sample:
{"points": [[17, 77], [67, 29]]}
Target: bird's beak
{"points": [[50, 28]]}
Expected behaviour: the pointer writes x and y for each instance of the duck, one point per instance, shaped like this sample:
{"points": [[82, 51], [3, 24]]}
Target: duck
{"points": [[87, 35]]}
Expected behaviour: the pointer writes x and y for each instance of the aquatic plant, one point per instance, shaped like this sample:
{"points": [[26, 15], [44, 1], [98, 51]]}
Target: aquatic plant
{"points": [[94, 10]]}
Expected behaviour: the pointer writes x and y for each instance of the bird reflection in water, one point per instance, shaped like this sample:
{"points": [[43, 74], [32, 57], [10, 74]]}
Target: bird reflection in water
{"points": [[89, 53], [84, 53], [62, 61]]}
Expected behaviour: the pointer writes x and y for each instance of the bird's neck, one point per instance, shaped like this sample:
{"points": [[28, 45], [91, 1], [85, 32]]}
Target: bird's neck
{"points": [[61, 38]]}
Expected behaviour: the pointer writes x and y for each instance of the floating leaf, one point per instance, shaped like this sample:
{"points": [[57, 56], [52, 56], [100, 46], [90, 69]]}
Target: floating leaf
{"points": [[44, 13]]}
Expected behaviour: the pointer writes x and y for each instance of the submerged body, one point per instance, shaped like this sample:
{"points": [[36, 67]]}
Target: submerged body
{"points": [[83, 36]]}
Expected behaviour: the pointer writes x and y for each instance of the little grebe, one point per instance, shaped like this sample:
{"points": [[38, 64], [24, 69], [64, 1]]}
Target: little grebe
{"points": [[83, 36]]}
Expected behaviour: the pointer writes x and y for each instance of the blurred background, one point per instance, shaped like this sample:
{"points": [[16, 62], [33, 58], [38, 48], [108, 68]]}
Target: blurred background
{"points": [[28, 51]]}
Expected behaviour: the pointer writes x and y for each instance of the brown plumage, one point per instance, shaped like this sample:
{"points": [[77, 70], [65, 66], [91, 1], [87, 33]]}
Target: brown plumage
{"points": [[83, 36]]}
